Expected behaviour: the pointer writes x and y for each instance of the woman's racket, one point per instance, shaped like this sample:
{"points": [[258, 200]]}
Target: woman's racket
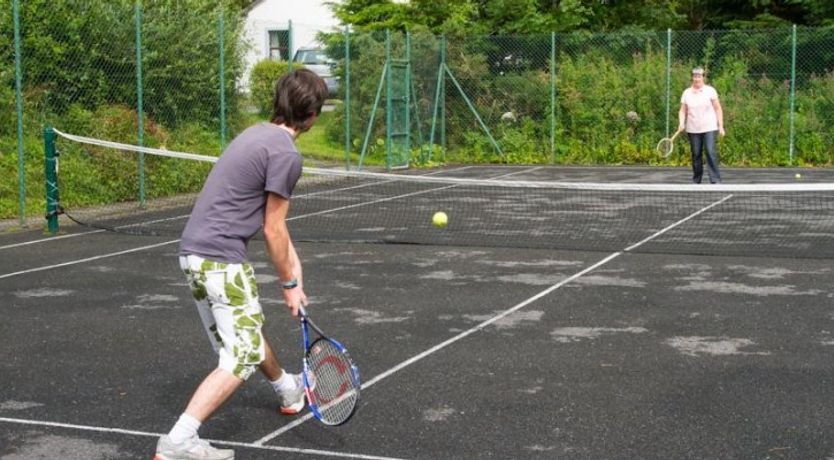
{"points": [[667, 144], [331, 379]]}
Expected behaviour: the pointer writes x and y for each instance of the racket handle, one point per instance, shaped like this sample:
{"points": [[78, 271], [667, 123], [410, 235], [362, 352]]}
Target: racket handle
{"points": [[676, 134], [302, 311]]}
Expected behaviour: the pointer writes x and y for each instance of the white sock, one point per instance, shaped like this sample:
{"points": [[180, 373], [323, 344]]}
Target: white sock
{"points": [[185, 428], [284, 383]]}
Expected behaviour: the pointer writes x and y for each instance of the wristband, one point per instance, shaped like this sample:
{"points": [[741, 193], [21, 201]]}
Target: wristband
{"points": [[293, 283]]}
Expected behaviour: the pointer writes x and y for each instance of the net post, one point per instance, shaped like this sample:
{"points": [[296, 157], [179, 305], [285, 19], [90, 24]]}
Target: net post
{"points": [[51, 174], [21, 164], [792, 114], [221, 35], [346, 103], [139, 101]]}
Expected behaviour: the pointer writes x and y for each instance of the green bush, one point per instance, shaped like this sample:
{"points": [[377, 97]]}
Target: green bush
{"points": [[265, 74]]}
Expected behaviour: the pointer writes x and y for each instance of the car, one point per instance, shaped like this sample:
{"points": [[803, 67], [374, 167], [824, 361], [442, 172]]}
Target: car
{"points": [[317, 61]]}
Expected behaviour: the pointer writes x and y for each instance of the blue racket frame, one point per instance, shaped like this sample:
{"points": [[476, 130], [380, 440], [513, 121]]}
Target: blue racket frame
{"points": [[306, 323]]}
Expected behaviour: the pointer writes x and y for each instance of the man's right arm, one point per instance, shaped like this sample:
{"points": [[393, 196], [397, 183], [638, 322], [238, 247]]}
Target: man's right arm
{"points": [[281, 251]]}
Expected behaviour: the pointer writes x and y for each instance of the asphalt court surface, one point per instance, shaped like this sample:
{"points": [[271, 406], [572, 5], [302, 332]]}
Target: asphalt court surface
{"points": [[601, 356]]}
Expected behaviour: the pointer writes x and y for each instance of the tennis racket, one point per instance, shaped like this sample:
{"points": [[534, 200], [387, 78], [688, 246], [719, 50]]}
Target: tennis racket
{"points": [[331, 379], [667, 144]]}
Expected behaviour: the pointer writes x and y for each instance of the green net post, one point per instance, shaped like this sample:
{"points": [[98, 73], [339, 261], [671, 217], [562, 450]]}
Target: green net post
{"points": [[553, 97], [139, 99], [221, 35], [793, 97], [21, 164], [346, 103], [51, 174]]}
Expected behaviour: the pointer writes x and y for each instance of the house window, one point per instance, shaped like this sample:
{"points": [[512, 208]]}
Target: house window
{"points": [[279, 41]]}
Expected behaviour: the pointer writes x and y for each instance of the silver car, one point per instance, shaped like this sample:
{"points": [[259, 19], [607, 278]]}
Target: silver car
{"points": [[316, 60]]}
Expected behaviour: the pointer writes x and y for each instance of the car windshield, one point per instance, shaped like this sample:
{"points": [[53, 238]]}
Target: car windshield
{"points": [[311, 57]]}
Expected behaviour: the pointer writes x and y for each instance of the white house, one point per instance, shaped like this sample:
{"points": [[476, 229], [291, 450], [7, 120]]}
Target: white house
{"points": [[270, 22]]}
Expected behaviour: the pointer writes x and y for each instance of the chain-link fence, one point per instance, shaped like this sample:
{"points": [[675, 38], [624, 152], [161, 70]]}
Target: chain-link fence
{"points": [[120, 70], [137, 73], [591, 98]]}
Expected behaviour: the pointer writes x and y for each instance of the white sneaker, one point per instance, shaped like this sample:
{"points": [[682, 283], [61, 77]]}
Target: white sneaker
{"points": [[292, 402], [192, 449]]}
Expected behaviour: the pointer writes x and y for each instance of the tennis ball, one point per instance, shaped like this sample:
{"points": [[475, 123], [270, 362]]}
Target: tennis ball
{"points": [[798, 176], [440, 219]]}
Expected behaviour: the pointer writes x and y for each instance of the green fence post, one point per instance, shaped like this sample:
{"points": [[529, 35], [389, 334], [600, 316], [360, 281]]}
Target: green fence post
{"points": [[444, 69], [221, 33], [139, 96], [346, 104], [388, 111], [18, 78], [668, 79], [552, 97], [475, 113], [51, 174], [441, 72], [407, 96], [792, 96], [289, 45]]}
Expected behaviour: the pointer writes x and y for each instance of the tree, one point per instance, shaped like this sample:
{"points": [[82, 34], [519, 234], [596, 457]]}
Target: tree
{"points": [[474, 17]]}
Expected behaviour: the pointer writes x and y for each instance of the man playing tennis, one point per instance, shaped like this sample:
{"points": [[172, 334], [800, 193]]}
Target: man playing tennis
{"points": [[249, 187]]}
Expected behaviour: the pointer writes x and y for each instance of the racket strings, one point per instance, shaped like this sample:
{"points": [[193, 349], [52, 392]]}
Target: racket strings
{"points": [[664, 147], [336, 390]]}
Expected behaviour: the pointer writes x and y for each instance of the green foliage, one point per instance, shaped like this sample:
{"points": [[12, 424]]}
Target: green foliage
{"points": [[8, 110], [470, 17], [265, 74], [83, 52]]}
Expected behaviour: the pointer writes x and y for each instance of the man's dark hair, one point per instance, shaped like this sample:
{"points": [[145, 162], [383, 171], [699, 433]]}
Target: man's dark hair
{"points": [[298, 96]]}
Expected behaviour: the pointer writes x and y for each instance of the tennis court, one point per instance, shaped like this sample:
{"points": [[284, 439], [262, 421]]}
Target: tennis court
{"points": [[467, 349]]}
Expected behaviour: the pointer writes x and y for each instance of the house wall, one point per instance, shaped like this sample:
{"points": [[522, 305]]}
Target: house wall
{"points": [[308, 17]]}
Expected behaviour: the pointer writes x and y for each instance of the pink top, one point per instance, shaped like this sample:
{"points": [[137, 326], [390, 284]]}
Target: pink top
{"points": [[700, 114]]}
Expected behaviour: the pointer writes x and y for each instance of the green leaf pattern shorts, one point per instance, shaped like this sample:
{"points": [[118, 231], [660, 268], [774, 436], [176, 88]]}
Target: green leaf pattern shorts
{"points": [[227, 299]]}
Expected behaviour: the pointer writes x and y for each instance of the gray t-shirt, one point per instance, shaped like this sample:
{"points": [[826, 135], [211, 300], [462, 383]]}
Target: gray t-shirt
{"points": [[230, 208]]}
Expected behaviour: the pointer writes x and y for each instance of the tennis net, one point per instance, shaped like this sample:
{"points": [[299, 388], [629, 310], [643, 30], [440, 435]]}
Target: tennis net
{"points": [[503, 209]]}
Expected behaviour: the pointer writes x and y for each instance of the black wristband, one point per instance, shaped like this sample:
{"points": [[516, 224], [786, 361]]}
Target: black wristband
{"points": [[293, 283]]}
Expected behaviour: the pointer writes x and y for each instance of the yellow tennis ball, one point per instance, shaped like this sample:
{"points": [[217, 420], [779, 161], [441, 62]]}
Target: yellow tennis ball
{"points": [[440, 219], [798, 176]]}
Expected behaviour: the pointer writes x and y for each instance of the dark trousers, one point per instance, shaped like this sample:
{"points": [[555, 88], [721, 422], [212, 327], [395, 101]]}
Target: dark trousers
{"points": [[699, 142]]}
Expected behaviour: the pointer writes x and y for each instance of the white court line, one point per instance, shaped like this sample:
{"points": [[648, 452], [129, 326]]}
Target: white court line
{"points": [[112, 254], [88, 259], [215, 441], [53, 238], [495, 318]]}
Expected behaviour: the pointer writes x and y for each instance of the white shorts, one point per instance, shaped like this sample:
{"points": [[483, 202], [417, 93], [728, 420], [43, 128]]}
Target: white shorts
{"points": [[227, 299]]}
